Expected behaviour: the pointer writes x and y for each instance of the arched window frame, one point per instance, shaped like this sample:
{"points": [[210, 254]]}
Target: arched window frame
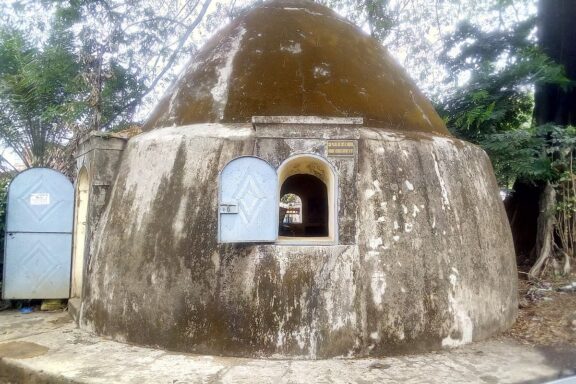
{"points": [[332, 190]]}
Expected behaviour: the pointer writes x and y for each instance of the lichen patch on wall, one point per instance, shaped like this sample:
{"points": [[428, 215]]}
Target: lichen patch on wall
{"points": [[227, 55], [462, 330]]}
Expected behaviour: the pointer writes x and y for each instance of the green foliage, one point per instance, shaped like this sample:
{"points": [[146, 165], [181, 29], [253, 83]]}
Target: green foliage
{"points": [[39, 100], [71, 66], [494, 105], [4, 182], [126, 48], [540, 154], [502, 67], [289, 198], [120, 88]]}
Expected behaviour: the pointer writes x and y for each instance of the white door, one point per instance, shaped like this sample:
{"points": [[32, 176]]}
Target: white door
{"points": [[248, 201], [38, 236]]}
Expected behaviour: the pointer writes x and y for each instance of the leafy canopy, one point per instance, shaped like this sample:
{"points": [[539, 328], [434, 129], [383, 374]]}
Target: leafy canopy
{"points": [[68, 67], [39, 95], [492, 102]]}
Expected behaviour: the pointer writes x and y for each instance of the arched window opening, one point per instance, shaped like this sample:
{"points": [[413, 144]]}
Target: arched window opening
{"points": [[307, 203], [314, 201]]}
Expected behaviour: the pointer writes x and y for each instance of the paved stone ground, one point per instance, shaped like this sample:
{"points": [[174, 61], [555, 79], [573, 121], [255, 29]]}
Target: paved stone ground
{"points": [[48, 348]]}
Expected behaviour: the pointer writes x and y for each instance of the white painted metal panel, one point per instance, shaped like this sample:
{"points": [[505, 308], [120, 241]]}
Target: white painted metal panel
{"points": [[40, 200], [37, 266], [248, 201], [38, 236]]}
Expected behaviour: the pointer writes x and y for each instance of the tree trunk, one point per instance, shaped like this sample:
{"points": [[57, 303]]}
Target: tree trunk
{"points": [[545, 231], [522, 209], [567, 267], [557, 38], [554, 104]]}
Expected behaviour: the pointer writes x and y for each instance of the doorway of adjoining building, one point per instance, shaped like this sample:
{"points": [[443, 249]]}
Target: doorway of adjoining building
{"points": [[80, 230], [290, 209]]}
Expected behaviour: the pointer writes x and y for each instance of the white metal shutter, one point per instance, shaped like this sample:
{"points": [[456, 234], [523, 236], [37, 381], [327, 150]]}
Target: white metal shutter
{"points": [[248, 201]]}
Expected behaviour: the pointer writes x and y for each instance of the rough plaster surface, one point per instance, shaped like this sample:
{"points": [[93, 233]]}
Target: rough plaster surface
{"points": [[424, 260], [294, 58], [52, 350], [99, 155]]}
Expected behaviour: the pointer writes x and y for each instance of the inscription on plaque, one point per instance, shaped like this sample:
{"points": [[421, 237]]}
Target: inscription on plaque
{"points": [[343, 148]]}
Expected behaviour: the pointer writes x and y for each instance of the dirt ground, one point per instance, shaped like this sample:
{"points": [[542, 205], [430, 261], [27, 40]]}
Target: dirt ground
{"points": [[547, 314]]}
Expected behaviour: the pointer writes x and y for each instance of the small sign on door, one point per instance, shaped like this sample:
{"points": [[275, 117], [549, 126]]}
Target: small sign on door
{"points": [[39, 199], [228, 208]]}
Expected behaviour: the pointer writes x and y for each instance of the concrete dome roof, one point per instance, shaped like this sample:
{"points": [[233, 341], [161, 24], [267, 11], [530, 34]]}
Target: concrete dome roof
{"points": [[295, 58]]}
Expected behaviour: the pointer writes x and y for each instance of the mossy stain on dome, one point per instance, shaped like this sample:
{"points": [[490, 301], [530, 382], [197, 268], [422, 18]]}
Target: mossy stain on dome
{"points": [[295, 58]]}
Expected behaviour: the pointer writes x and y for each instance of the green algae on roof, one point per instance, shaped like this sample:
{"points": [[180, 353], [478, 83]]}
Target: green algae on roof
{"points": [[295, 58]]}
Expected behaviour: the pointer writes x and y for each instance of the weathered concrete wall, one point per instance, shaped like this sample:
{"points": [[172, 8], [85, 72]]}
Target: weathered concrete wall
{"points": [[424, 260], [437, 248], [100, 155]]}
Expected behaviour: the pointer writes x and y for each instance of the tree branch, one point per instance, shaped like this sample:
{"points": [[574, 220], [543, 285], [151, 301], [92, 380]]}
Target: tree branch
{"points": [[168, 65]]}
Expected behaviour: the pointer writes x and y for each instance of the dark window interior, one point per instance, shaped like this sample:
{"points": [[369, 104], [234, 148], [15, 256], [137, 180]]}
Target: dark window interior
{"points": [[314, 196]]}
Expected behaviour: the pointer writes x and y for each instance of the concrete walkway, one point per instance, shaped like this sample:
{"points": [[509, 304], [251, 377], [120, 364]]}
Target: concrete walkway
{"points": [[48, 348]]}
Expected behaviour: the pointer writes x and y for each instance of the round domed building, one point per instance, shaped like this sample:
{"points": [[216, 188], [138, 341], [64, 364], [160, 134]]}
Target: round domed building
{"points": [[294, 194]]}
